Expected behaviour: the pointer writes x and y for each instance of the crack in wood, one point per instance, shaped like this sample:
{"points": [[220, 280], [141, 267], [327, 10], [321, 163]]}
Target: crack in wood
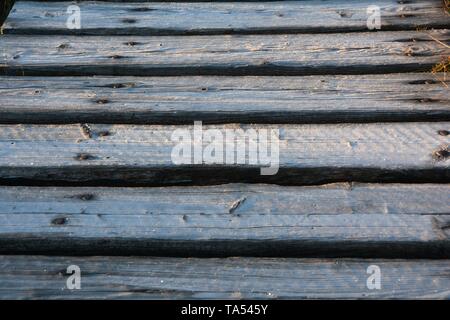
{"points": [[235, 205]]}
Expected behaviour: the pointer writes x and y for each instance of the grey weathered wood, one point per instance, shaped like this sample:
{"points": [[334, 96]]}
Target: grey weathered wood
{"points": [[332, 220], [308, 154], [350, 53], [219, 18], [182, 100], [260, 199], [41, 277]]}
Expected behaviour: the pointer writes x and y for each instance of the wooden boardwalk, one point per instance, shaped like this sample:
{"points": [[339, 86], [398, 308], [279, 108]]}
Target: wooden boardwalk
{"points": [[87, 176]]}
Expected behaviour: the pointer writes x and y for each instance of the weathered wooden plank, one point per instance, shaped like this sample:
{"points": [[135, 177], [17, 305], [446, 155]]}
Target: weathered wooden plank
{"points": [[98, 18], [41, 277], [329, 199], [183, 100], [351, 53], [310, 154], [330, 220]]}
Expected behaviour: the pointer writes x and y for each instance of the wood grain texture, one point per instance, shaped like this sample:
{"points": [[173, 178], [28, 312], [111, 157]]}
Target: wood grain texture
{"points": [[308, 154], [41, 277], [100, 18], [337, 198], [183, 100], [351, 53], [332, 220]]}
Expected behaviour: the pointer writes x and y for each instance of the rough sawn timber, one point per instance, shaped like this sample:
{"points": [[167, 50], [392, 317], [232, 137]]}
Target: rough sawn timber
{"points": [[94, 154], [103, 18], [332, 220], [43, 277], [290, 54], [183, 100]]}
